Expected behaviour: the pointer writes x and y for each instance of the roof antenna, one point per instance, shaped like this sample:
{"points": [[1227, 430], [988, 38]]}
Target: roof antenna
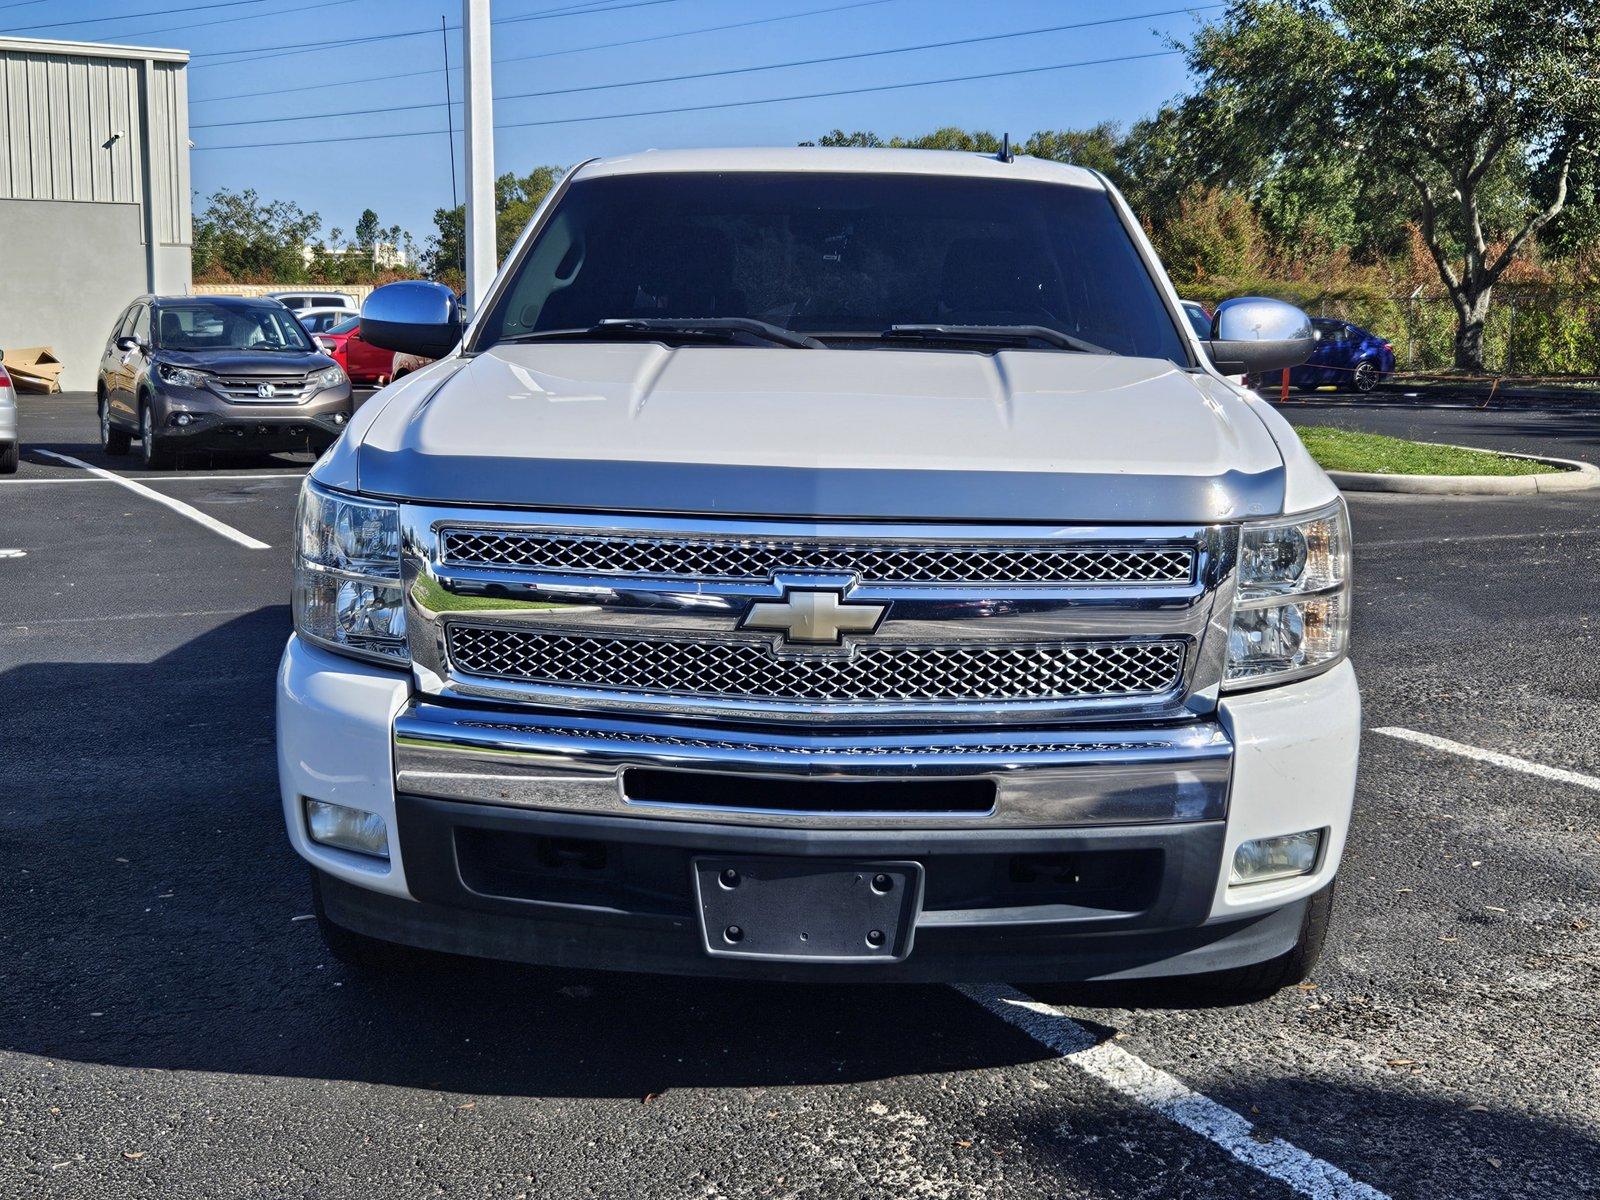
{"points": [[1005, 148]]}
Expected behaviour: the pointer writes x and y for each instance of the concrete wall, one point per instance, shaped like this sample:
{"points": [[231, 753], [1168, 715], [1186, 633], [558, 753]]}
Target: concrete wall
{"points": [[66, 271]]}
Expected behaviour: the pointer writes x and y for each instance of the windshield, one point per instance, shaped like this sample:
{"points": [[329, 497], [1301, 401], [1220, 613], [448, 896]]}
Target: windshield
{"points": [[202, 326], [841, 256], [344, 326], [1198, 319]]}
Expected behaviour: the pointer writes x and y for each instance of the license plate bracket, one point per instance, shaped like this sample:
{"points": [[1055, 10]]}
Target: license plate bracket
{"points": [[807, 910]]}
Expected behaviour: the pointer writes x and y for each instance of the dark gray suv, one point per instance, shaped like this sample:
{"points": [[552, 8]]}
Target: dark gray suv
{"points": [[216, 373]]}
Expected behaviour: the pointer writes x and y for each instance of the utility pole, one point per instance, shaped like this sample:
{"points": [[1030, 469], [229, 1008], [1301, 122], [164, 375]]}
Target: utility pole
{"points": [[482, 260]]}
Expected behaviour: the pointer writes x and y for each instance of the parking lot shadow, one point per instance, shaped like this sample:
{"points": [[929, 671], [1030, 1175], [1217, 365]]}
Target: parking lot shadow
{"points": [[152, 914]]}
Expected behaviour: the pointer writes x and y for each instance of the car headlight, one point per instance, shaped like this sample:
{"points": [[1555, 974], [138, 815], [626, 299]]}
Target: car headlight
{"points": [[329, 377], [1291, 614], [347, 590], [181, 376]]}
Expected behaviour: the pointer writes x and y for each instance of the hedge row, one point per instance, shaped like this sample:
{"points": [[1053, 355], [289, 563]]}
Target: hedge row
{"points": [[1529, 331]]}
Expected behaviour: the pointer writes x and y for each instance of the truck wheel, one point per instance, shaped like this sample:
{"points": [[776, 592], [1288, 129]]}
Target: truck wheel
{"points": [[1247, 985], [9, 458], [368, 955], [158, 456], [112, 439]]}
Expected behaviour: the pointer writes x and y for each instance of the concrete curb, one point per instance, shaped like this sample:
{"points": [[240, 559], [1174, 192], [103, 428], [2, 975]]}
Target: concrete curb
{"points": [[1577, 477]]}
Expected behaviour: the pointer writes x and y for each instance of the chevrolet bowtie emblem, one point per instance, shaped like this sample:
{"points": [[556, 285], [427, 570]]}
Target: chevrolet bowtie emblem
{"points": [[813, 618]]}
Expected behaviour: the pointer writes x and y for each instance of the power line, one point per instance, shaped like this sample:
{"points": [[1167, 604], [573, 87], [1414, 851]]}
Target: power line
{"points": [[659, 37], [153, 12], [276, 12], [802, 62], [258, 53], [658, 112]]}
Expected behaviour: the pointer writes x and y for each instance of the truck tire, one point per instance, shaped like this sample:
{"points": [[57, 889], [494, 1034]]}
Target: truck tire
{"points": [[10, 456], [368, 955], [1247, 985]]}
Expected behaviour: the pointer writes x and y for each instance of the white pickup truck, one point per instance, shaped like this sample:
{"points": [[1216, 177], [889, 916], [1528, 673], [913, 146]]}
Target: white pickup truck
{"points": [[825, 564]]}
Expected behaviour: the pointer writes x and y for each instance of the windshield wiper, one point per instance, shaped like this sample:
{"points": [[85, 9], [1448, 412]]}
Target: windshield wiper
{"points": [[993, 335], [712, 327]]}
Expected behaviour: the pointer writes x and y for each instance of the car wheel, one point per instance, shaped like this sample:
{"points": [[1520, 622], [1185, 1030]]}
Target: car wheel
{"points": [[112, 439], [10, 456], [1365, 377], [158, 456]]}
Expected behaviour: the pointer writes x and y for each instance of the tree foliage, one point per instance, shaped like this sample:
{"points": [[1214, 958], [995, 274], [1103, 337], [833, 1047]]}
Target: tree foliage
{"points": [[516, 198], [240, 236], [1487, 111]]}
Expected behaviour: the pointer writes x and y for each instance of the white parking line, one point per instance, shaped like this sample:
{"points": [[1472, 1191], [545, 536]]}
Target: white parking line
{"points": [[1169, 1096], [1509, 761], [155, 479], [177, 506]]}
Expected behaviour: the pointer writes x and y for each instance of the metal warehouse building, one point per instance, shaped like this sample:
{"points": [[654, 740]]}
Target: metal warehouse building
{"points": [[94, 191]]}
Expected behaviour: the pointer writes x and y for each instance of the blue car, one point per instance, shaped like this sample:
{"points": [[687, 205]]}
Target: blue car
{"points": [[1347, 356]]}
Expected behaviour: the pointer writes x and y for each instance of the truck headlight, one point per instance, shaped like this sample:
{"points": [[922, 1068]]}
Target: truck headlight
{"points": [[181, 376], [329, 377], [347, 590], [1291, 614]]}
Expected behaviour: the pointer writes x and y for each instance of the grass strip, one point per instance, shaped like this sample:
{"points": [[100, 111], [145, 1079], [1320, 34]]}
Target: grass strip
{"points": [[1379, 454]]}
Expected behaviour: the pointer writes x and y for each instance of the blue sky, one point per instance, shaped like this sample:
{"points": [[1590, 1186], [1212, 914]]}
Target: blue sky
{"points": [[405, 178]]}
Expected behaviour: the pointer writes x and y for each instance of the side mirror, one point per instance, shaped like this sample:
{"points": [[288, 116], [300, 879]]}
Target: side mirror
{"points": [[413, 317], [1252, 334], [128, 344]]}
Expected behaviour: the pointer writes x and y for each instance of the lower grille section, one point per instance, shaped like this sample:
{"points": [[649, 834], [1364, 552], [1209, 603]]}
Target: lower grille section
{"points": [[999, 672]]}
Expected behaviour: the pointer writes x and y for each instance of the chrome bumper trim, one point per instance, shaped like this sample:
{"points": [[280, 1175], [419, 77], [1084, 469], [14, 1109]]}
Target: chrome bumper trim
{"points": [[1043, 778]]}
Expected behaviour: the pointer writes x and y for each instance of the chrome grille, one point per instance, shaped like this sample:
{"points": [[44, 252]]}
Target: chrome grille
{"points": [[874, 673], [245, 389], [745, 559]]}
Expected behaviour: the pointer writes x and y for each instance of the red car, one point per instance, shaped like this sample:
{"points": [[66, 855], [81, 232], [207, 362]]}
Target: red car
{"points": [[361, 360]]}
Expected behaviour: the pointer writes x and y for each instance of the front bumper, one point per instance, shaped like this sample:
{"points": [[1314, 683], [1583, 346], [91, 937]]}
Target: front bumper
{"points": [[512, 842], [197, 419]]}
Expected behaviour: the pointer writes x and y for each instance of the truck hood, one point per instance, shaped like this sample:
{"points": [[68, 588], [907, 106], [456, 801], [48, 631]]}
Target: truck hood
{"points": [[877, 434]]}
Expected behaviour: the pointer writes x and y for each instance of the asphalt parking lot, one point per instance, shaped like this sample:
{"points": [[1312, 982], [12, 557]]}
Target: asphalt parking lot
{"points": [[171, 1026]]}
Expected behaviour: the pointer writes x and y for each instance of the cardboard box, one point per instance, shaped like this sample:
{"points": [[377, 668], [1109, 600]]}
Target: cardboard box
{"points": [[33, 369]]}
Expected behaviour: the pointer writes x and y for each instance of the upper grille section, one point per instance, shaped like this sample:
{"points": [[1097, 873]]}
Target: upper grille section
{"points": [[875, 673], [760, 558], [246, 389]]}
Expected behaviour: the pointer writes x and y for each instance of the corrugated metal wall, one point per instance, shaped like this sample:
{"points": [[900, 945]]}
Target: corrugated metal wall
{"points": [[58, 115]]}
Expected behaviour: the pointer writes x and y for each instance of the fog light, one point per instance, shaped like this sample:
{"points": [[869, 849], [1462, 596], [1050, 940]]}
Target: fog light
{"points": [[347, 828], [339, 418], [1266, 859], [183, 419]]}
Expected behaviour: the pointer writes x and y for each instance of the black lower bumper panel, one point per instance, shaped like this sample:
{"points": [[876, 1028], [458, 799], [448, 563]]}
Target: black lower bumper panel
{"points": [[1105, 903]]}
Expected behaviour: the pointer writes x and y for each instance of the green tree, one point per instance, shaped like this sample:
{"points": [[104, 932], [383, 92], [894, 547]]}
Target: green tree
{"points": [[367, 230], [1486, 109], [516, 198], [240, 237]]}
